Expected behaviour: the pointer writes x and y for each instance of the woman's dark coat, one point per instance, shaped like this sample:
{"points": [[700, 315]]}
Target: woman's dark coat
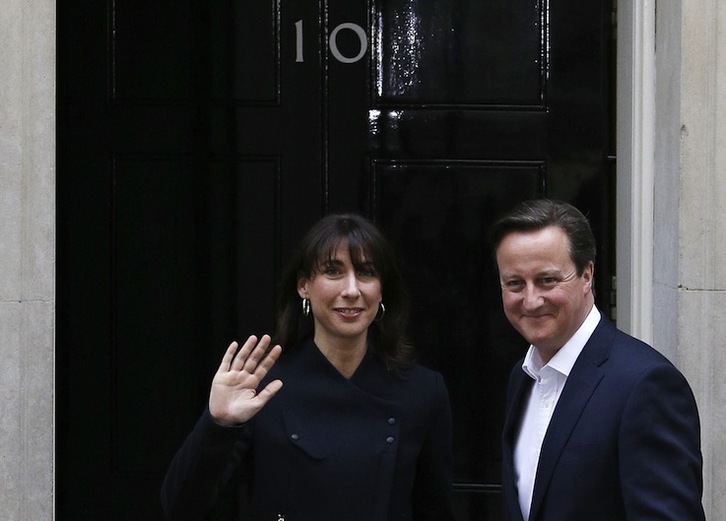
{"points": [[374, 447]]}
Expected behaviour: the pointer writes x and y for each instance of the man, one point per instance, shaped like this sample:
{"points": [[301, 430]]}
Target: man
{"points": [[599, 426]]}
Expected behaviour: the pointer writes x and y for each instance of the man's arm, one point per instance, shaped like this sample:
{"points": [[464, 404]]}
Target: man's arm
{"points": [[659, 449]]}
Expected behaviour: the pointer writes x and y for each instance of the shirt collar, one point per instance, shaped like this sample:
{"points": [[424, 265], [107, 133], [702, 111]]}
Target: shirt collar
{"points": [[565, 358]]}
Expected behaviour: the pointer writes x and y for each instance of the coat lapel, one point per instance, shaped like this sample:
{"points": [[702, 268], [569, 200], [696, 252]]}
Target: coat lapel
{"points": [[581, 383]]}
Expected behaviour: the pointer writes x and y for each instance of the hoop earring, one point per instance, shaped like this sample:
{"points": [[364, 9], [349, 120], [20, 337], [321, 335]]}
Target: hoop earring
{"points": [[306, 306], [381, 312]]}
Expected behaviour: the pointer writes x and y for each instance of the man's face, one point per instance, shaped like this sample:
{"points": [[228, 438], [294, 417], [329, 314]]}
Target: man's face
{"points": [[543, 296]]}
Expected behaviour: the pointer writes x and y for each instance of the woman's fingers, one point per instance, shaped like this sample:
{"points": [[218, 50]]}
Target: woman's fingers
{"points": [[256, 353], [228, 357], [240, 358], [269, 391], [253, 357], [269, 359]]}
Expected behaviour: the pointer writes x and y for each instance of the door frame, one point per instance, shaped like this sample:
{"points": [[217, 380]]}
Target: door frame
{"points": [[635, 128]]}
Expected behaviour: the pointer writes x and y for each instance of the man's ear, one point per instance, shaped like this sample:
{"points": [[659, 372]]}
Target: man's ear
{"points": [[589, 273]]}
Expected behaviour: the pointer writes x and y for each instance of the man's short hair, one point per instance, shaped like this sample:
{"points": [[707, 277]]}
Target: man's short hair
{"points": [[537, 214]]}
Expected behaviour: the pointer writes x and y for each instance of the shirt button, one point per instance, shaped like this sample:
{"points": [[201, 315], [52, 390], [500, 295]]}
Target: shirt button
{"points": [[389, 440], [391, 421], [295, 437]]}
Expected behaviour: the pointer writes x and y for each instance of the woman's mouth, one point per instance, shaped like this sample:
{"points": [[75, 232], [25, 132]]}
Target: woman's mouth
{"points": [[349, 311]]}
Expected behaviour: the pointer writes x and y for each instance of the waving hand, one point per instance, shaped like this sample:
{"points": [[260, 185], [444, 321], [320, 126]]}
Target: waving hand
{"points": [[234, 398]]}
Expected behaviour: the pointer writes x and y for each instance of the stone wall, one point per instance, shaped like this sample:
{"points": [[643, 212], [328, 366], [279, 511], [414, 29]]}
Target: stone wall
{"points": [[27, 259], [690, 216]]}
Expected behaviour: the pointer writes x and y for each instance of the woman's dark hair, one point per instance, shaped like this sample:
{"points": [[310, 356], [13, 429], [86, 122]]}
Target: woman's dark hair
{"points": [[367, 244], [541, 213]]}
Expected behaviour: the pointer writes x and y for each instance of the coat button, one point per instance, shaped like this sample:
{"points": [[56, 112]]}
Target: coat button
{"points": [[389, 439], [295, 437], [391, 421]]}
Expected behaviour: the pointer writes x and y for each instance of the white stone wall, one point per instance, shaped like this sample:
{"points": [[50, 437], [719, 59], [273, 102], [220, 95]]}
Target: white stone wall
{"points": [[27, 259], [690, 216], [702, 288]]}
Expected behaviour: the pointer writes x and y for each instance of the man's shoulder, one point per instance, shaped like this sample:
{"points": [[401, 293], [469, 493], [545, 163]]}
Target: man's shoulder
{"points": [[633, 353], [607, 331]]}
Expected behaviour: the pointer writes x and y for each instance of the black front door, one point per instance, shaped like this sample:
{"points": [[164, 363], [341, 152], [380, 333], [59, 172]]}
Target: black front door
{"points": [[198, 140]]}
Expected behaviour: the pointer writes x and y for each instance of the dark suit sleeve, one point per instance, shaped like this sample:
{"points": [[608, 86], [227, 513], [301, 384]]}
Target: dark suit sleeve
{"points": [[201, 467], [432, 486], [660, 455]]}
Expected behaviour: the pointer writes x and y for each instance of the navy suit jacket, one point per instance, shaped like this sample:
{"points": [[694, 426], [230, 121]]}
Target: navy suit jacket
{"points": [[374, 447], [623, 442]]}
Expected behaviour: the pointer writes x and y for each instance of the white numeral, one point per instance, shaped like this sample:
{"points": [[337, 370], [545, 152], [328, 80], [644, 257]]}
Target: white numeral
{"points": [[357, 29], [298, 41], [333, 42]]}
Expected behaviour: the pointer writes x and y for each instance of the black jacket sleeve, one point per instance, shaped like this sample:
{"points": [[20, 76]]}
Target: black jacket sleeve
{"points": [[201, 467]]}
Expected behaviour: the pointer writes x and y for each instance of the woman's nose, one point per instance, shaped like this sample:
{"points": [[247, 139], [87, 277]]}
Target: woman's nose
{"points": [[351, 286]]}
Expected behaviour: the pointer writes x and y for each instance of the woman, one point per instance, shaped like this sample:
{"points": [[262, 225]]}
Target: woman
{"points": [[357, 432]]}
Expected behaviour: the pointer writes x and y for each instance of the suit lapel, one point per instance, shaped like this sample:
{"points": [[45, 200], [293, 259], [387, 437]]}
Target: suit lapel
{"points": [[581, 383], [521, 384], [519, 388]]}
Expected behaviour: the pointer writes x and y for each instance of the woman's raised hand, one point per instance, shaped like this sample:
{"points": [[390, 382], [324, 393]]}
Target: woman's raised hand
{"points": [[234, 398]]}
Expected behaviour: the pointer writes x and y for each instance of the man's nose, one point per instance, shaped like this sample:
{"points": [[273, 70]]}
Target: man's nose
{"points": [[532, 297]]}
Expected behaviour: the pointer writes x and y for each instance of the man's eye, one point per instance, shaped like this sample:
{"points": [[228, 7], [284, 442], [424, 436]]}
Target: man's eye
{"points": [[548, 281], [514, 284]]}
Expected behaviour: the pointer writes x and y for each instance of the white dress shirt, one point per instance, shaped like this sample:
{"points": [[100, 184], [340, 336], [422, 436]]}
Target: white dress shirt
{"points": [[549, 380]]}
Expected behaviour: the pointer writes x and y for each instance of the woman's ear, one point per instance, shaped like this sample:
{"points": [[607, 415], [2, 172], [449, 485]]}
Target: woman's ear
{"points": [[302, 287]]}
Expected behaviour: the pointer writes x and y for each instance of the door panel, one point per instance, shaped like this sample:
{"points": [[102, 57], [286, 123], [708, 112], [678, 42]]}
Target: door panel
{"points": [[197, 141], [462, 52], [439, 211]]}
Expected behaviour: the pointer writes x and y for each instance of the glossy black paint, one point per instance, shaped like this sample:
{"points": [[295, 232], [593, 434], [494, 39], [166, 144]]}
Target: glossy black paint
{"points": [[198, 140]]}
